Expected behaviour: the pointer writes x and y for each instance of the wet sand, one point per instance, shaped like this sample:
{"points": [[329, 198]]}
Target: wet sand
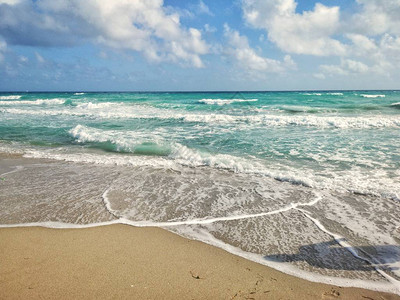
{"points": [[125, 262]]}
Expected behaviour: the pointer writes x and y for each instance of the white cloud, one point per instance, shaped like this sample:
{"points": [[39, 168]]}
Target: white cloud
{"points": [[289, 62], [354, 66], [202, 8], [306, 33], [209, 28], [346, 67], [10, 2], [141, 25], [366, 41], [377, 17], [382, 52], [247, 58], [362, 45], [319, 75]]}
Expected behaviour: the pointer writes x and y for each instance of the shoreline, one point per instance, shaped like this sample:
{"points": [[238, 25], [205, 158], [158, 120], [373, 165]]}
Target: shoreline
{"points": [[287, 270], [123, 261], [13, 162]]}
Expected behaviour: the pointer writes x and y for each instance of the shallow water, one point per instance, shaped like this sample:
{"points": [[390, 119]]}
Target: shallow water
{"points": [[307, 182]]}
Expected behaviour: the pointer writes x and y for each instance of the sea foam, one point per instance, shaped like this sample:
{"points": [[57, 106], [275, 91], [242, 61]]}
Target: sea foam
{"points": [[11, 97], [372, 96], [225, 101], [54, 101], [103, 111]]}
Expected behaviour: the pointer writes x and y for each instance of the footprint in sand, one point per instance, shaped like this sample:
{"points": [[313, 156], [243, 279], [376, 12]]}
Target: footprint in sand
{"points": [[331, 294]]}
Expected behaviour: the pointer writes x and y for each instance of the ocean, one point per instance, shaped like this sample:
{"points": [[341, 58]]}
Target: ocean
{"points": [[307, 182]]}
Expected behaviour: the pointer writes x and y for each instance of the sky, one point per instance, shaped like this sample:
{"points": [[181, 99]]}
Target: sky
{"points": [[199, 45]]}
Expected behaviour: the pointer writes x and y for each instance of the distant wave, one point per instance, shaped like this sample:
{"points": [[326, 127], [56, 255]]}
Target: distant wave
{"points": [[372, 96], [104, 111], [320, 94], [13, 97], [395, 105], [296, 109], [225, 101], [54, 101], [90, 105], [77, 94], [312, 94]]}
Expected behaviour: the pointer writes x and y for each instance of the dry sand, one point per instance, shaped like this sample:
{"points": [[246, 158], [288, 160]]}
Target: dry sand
{"points": [[124, 262]]}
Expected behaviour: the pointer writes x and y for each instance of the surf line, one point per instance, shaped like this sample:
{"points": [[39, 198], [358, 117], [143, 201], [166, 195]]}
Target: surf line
{"points": [[227, 218], [107, 203], [16, 169], [122, 220], [343, 243]]}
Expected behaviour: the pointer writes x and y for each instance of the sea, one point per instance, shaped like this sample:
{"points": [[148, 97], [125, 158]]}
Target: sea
{"points": [[307, 182]]}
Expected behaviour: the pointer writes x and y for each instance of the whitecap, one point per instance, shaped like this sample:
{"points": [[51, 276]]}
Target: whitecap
{"points": [[54, 101], [372, 96], [11, 97], [335, 94], [225, 101]]}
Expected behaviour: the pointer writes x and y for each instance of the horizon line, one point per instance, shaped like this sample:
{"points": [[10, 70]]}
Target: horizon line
{"points": [[196, 91]]}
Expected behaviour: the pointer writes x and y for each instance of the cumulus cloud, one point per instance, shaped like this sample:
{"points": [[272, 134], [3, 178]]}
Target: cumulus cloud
{"points": [[141, 25], [346, 67], [247, 58], [377, 17], [366, 40], [307, 33]]}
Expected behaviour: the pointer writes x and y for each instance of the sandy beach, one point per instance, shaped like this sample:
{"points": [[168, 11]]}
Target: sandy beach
{"points": [[125, 262]]}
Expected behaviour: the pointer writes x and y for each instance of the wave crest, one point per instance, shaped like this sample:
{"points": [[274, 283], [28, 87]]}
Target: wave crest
{"points": [[11, 97], [225, 101], [54, 101], [372, 96]]}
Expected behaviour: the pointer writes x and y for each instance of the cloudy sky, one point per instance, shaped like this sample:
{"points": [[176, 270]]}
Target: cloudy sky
{"points": [[155, 45]]}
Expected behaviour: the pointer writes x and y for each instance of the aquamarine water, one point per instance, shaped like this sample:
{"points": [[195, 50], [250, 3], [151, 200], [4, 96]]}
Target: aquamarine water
{"points": [[267, 173]]}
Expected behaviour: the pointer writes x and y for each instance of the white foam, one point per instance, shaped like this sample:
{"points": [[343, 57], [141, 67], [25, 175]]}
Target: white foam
{"points": [[359, 181], [225, 101], [54, 101], [11, 97], [92, 106], [77, 94], [107, 204], [110, 110], [375, 121], [372, 96], [335, 94], [230, 218]]}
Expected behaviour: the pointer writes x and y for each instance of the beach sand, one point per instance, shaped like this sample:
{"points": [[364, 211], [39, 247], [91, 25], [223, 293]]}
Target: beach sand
{"points": [[125, 262]]}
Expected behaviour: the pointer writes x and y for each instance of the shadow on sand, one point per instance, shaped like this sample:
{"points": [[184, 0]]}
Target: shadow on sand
{"points": [[330, 255]]}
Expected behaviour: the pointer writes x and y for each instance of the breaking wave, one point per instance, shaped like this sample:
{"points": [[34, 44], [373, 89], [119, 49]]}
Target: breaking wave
{"points": [[54, 101], [372, 96], [225, 101], [12, 97]]}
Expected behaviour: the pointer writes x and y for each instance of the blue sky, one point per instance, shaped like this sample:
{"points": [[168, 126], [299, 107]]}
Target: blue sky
{"points": [[155, 45]]}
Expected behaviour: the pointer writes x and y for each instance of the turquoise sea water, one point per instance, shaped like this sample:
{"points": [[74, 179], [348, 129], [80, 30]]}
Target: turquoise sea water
{"points": [[332, 157]]}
